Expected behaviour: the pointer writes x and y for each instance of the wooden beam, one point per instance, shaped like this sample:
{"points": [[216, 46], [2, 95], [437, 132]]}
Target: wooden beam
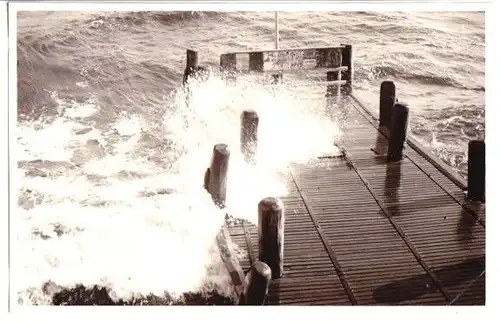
{"points": [[283, 59]]}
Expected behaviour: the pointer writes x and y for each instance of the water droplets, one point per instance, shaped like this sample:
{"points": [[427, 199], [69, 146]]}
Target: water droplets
{"points": [[120, 217]]}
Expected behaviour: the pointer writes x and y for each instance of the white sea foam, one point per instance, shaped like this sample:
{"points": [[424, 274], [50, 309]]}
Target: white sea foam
{"points": [[95, 225]]}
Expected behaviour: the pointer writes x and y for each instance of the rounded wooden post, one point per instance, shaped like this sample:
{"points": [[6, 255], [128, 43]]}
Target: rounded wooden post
{"points": [[191, 64], [348, 75], [216, 176], [248, 134], [399, 126], [332, 90], [272, 234], [387, 101], [256, 284], [476, 176]]}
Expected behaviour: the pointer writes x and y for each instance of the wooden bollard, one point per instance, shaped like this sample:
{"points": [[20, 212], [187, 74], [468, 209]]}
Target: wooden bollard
{"points": [[256, 284], [215, 179], [399, 126], [476, 171], [248, 134], [272, 234], [332, 90], [191, 65], [348, 75], [387, 101]]}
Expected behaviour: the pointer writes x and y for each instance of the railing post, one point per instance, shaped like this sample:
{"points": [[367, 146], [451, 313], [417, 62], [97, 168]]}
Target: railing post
{"points": [[348, 60], [248, 135], [215, 180], [227, 67], [272, 234], [256, 284], [191, 65], [387, 101], [399, 126], [332, 90], [476, 176]]}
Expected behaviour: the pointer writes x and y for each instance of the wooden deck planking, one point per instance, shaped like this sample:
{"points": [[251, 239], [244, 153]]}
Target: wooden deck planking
{"points": [[443, 238], [308, 270], [357, 243], [421, 162], [452, 189], [405, 240]]}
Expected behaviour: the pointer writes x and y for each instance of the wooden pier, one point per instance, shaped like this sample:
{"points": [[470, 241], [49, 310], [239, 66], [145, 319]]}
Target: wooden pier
{"points": [[383, 223], [360, 230]]}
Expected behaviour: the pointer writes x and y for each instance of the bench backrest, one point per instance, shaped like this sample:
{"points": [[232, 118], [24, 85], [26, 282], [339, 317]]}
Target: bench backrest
{"points": [[282, 60], [338, 60]]}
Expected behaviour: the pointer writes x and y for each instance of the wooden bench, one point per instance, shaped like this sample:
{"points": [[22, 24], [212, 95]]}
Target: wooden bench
{"points": [[338, 62]]}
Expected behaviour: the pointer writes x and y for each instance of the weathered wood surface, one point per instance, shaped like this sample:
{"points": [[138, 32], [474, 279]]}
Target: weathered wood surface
{"points": [[271, 234], [283, 60], [361, 231]]}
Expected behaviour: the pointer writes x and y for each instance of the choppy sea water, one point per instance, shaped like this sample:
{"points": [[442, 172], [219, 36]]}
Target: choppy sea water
{"points": [[111, 158]]}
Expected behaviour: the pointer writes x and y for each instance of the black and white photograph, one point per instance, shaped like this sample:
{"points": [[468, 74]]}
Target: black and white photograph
{"points": [[186, 155]]}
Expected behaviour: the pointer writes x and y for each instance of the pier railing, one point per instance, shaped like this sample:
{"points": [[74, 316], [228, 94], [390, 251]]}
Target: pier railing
{"points": [[337, 62], [392, 123]]}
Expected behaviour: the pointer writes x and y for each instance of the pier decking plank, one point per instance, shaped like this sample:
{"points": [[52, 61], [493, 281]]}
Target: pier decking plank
{"points": [[361, 231]]}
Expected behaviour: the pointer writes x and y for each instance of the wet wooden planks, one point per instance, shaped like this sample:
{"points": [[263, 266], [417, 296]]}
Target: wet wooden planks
{"points": [[445, 234], [369, 232], [371, 252], [309, 276]]}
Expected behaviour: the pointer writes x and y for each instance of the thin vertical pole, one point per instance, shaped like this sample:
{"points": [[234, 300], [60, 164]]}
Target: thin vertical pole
{"points": [[276, 24]]}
